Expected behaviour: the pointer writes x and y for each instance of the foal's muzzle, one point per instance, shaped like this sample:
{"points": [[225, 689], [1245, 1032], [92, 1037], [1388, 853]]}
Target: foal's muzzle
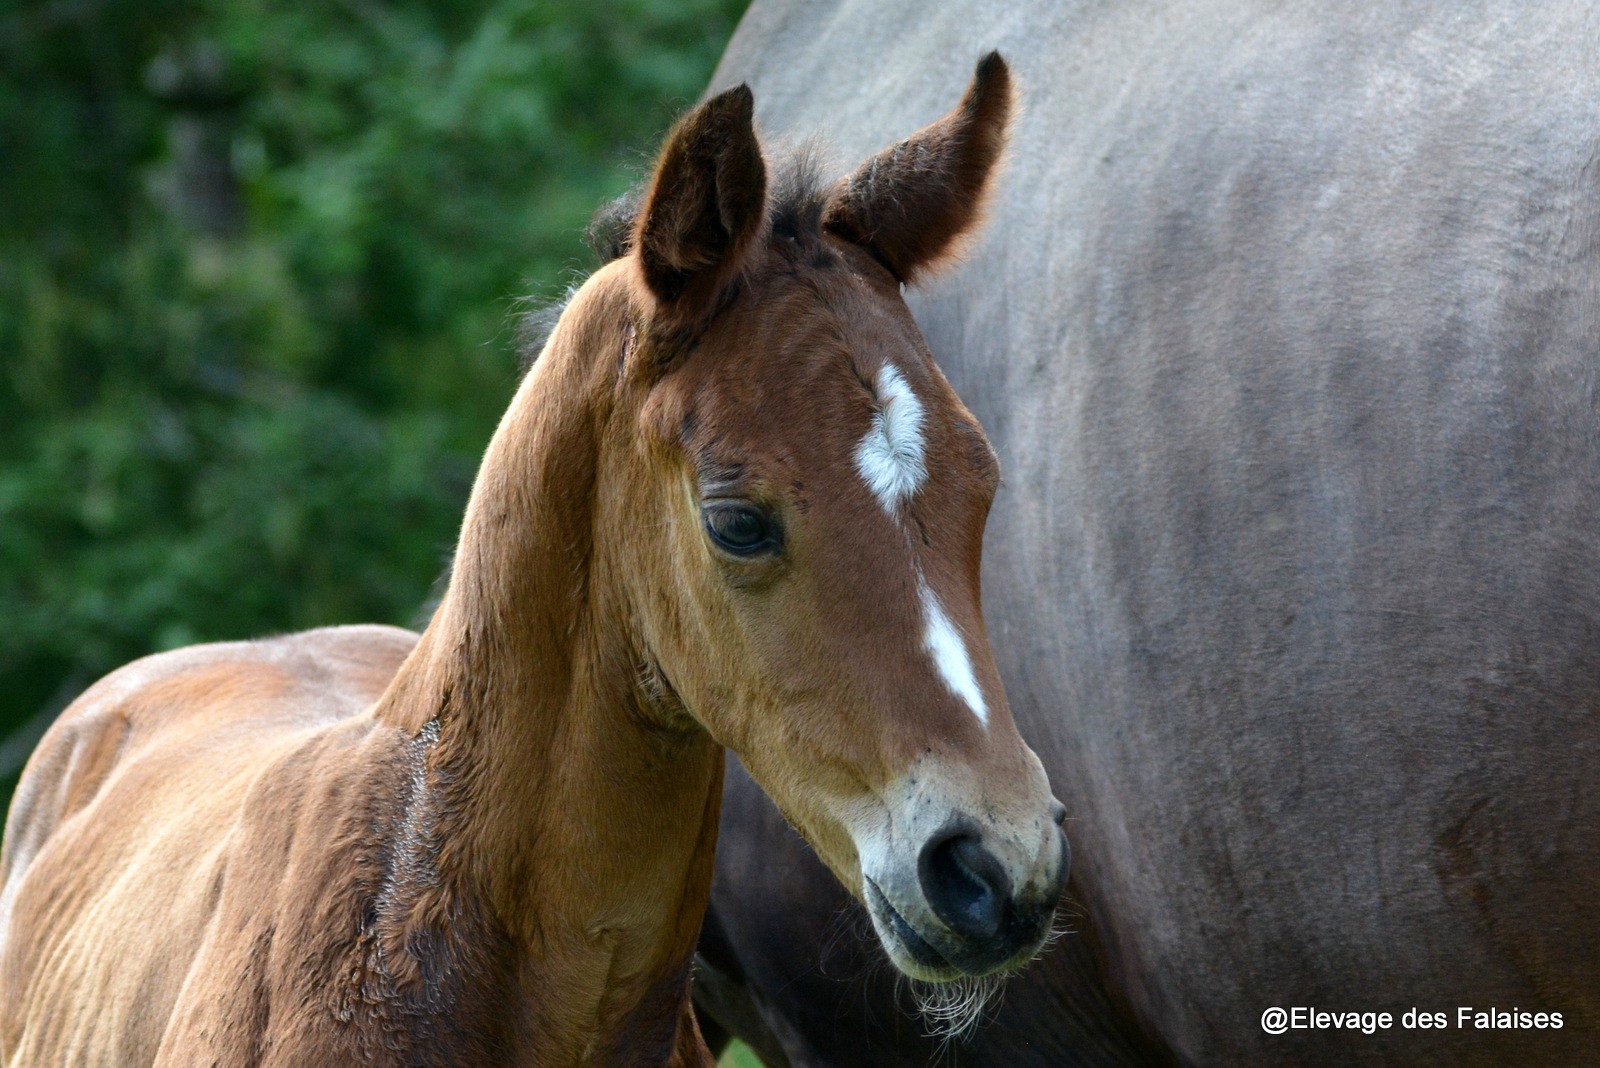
{"points": [[975, 907]]}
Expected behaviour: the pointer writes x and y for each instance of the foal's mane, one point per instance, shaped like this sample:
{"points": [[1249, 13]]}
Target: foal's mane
{"points": [[798, 194]]}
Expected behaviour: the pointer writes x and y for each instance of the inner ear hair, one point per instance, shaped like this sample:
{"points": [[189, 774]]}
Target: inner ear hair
{"points": [[912, 203], [705, 206]]}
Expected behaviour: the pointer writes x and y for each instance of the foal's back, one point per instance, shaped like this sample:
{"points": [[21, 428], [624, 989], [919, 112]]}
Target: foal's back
{"points": [[135, 813]]}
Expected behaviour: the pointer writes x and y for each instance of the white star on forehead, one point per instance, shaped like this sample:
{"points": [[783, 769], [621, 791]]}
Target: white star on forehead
{"points": [[890, 456]]}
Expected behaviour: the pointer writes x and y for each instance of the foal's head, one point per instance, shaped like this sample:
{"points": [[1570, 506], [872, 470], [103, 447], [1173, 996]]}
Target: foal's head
{"points": [[794, 500]]}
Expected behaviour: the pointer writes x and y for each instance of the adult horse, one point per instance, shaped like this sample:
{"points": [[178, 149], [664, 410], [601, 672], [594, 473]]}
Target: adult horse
{"points": [[1284, 328], [734, 501]]}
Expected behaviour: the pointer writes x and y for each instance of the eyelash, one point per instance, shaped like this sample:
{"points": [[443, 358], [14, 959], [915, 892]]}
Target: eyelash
{"points": [[763, 532]]}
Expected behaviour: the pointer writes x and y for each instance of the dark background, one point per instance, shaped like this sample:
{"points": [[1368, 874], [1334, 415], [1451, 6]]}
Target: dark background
{"points": [[261, 266]]}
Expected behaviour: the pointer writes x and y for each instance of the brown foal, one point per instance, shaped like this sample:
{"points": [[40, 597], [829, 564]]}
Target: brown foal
{"points": [[733, 504]]}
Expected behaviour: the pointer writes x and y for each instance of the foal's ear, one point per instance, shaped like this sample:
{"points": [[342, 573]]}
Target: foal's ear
{"points": [[911, 202], [706, 205]]}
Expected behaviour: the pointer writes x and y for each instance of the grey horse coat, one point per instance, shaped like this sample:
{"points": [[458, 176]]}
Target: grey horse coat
{"points": [[1285, 328]]}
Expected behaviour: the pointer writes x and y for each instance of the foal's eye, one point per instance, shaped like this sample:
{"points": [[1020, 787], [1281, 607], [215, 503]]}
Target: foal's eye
{"points": [[740, 528]]}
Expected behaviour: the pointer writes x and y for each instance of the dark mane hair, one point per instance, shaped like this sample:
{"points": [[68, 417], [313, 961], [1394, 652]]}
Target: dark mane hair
{"points": [[609, 234], [798, 192]]}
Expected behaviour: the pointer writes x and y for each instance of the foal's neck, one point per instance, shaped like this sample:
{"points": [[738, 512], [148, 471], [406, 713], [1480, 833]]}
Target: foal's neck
{"points": [[580, 822]]}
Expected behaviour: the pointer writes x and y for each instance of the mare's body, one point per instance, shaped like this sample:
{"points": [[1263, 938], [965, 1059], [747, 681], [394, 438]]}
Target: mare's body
{"points": [[1285, 329]]}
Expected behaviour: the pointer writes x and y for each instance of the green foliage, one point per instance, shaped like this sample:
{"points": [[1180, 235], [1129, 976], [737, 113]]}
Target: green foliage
{"points": [[251, 399], [738, 1055]]}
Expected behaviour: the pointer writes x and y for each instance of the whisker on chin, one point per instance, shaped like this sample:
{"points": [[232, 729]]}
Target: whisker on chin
{"points": [[849, 925], [1059, 928], [952, 1011], [1068, 913]]}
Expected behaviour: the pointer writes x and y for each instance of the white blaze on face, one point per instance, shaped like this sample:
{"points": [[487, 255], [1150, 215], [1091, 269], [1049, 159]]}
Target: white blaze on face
{"points": [[890, 456], [949, 653], [890, 459]]}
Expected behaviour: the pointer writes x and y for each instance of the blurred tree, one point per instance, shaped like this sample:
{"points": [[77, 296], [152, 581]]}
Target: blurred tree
{"points": [[258, 274]]}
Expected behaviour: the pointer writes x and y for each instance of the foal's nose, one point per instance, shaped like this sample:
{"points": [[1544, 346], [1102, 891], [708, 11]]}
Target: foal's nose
{"points": [[971, 892], [965, 885]]}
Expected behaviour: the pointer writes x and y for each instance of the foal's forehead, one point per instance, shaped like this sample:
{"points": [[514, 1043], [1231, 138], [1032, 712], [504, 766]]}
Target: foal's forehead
{"points": [[822, 322], [818, 365]]}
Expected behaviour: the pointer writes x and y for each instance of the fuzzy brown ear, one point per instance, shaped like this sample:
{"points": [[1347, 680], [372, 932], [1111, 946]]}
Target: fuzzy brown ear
{"points": [[911, 203], [706, 204]]}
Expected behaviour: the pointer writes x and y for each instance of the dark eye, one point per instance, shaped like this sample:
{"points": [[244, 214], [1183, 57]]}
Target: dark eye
{"points": [[740, 528]]}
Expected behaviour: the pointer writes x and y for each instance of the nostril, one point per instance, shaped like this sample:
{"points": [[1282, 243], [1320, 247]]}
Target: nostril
{"points": [[1058, 812], [965, 885]]}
